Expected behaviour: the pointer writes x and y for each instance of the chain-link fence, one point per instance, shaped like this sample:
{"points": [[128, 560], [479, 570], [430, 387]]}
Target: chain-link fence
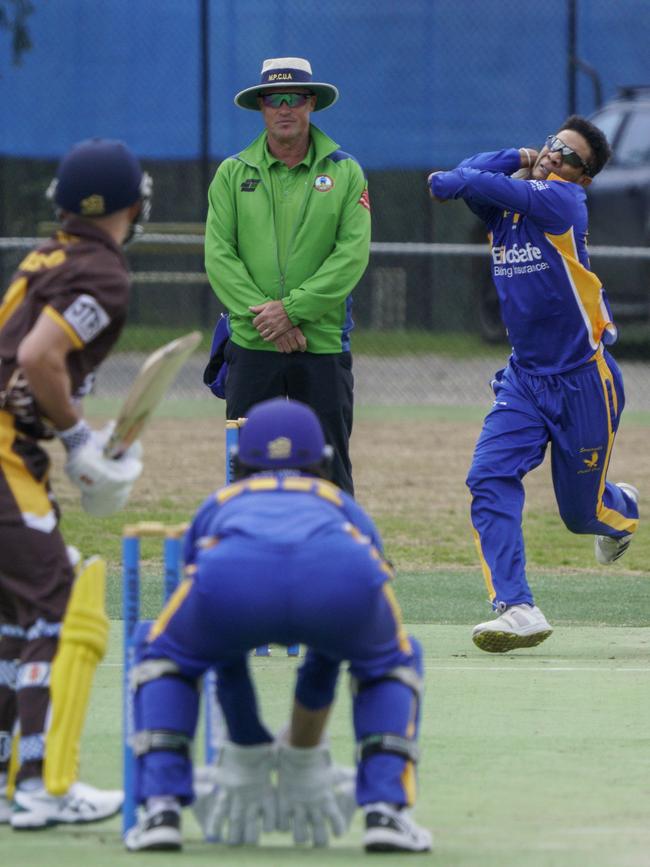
{"points": [[423, 83]]}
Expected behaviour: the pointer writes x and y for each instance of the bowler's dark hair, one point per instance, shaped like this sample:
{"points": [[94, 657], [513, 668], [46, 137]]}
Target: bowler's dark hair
{"points": [[594, 137]]}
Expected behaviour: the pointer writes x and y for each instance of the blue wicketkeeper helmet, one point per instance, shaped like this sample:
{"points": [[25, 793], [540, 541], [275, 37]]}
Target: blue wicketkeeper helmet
{"points": [[282, 434], [98, 177]]}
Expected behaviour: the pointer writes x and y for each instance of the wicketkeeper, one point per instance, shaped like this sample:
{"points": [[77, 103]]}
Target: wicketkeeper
{"points": [[280, 556], [60, 317]]}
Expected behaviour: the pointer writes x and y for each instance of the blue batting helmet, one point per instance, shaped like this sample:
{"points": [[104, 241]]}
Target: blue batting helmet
{"points": [[98, 177], [282, 434]]}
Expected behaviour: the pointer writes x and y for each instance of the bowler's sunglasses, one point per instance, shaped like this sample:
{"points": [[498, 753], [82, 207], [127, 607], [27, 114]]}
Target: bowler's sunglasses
{"points": [[569, 156], [292, 100]]}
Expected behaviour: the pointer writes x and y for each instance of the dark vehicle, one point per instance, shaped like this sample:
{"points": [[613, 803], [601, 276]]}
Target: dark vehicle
{"points": [[619, 215], [619, 203]]}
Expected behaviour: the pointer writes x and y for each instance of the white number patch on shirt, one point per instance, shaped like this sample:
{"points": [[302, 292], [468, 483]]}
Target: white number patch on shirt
{"points": [[87, 316]]}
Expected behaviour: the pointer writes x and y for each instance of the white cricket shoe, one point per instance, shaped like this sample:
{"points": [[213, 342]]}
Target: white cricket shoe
{"points": [[519, 626], [157, 830], [389, 829], [607, 548], [34, 807]]}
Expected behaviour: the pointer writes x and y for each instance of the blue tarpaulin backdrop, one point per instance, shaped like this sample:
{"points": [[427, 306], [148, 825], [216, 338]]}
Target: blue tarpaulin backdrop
{"points": [[423, 82]]}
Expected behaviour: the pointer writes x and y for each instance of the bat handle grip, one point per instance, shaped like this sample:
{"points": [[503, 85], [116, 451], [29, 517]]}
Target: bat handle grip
{"points": [[112, 450]]}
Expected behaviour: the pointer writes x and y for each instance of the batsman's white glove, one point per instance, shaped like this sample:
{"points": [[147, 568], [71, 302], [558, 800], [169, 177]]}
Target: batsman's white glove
{"points": [[104, 434], [105, 484], [313, 793], [238, 793]]}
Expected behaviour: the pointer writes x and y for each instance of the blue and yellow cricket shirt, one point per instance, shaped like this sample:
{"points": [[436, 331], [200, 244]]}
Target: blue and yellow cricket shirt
{"points": [[553, 306]]}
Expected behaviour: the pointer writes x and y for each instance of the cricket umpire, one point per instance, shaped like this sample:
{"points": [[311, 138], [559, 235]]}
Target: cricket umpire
{"points": [[255, 574], [287, 240], [59, 318]]}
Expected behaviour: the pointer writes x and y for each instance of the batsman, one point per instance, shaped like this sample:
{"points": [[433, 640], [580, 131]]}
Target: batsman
{"points": [[60, 317], [283, 556]]}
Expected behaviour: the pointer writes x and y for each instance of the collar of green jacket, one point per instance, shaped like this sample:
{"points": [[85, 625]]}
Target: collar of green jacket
{"points": [[254, 153]]}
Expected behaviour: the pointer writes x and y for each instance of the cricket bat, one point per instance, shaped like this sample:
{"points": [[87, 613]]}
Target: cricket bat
{"points": [[149, 387]]}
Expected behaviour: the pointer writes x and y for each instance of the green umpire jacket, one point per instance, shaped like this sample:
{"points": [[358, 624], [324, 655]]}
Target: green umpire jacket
{"points": [[325, 248]]}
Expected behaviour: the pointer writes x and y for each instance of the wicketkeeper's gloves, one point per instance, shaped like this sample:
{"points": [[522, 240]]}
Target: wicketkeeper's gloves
{"points": [[314, 794], [236, 799]]}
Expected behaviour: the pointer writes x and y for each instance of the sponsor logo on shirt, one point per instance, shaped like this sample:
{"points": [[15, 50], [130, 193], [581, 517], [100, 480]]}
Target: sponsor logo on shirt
{"points": [[528, 253], [250, 185], [517, 260], [87, 317], [365, 200]]}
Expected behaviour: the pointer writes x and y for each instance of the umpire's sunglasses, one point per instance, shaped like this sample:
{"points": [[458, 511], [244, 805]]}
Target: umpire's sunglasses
{"points": [[292, 100], [569, 156]]}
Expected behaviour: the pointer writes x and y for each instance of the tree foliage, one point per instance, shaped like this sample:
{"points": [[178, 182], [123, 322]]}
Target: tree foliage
{"points": [[13, 17]]}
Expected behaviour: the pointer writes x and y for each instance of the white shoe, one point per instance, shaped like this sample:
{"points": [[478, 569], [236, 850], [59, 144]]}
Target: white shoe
{"points": [[519, 626], [607, 548], [156, 831], [35, 808], [391, 830]]}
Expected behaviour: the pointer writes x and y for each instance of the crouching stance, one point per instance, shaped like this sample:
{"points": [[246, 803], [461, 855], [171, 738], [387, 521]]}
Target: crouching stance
{"points": [[280, 556]]}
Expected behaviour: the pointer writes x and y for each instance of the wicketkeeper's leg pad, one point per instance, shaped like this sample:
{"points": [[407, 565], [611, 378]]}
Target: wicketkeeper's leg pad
{"points": [[386, 714], [82, 645], [166, 707]]}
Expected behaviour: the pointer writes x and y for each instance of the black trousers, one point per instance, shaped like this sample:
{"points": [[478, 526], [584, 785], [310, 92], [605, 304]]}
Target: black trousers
{"points": [[323, 382]]}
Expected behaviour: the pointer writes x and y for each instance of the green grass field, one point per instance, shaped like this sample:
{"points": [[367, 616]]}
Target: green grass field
{"points": [[537, 758], [633, 341], [417, 535], [391, 342]]}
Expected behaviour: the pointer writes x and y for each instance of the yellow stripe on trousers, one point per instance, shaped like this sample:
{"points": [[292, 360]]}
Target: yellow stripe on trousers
{"points": [[487, 572], [402, 637], [175, 602], [407, 776], [31, 495], [608, 516]]}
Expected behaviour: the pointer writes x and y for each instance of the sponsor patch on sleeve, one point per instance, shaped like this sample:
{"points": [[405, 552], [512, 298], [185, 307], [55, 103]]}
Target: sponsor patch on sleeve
{"points": [[87, 316], [365, 199]]}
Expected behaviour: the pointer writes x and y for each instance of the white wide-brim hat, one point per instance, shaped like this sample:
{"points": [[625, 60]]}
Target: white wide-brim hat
{"points": [[280, 73]]}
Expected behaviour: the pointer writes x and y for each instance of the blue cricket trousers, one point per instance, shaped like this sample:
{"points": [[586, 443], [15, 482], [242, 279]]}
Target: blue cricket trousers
{"points": [[331, 593], [578, 412]]}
